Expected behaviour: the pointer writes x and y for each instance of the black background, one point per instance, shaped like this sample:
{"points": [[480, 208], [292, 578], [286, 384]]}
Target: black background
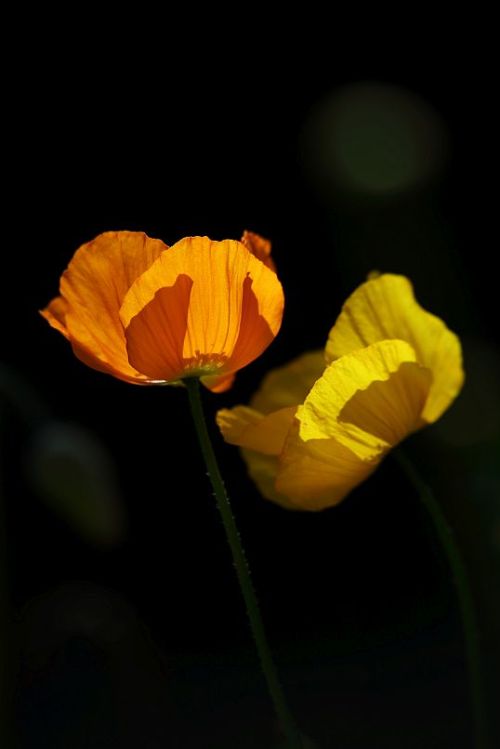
{"points": [[142, 641]]}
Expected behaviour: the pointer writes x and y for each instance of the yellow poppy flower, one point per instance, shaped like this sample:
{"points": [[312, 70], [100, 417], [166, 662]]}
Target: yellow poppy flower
{"points": [[145, 313], [312, 434]]}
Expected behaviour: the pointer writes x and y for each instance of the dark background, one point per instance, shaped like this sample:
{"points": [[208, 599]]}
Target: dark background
{"points": [[122, 623]]}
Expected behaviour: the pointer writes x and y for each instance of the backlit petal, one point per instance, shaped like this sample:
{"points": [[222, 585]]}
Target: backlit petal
{"points": [[318, 474], [229, 314], [248, 428], [367, 400], [262, 469], [55, 314], [218, 383], [385, 308], [155, 337], [260, 317], [260, 247], [362, 405], [289, 385], [93, 288], [265, 425]]}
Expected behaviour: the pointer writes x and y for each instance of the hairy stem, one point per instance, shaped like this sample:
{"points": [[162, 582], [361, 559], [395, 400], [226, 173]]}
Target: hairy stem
{"points": [[242, 569]]}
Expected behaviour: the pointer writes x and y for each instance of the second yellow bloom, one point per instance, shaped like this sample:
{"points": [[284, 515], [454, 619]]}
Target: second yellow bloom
{"points": [[321, 425]]}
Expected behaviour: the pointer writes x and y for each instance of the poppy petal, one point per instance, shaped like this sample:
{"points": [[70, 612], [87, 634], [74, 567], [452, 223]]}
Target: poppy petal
{"points": [[281, 391], [289, 385], [361, 406], [260, 247], [155, 337], [262, 469], [55, 314], [256, 330], [385, 308], [218, 383], [318, 474], [248, 428], [368, 400], [232, 313], [93, 287]]}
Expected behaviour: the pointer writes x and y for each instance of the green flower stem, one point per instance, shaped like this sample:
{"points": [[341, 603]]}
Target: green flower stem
{"points": [[464, 595], [242, 569]]}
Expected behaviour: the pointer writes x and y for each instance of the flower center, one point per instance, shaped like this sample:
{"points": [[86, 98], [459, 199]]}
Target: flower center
{"points": [[201, 365]]}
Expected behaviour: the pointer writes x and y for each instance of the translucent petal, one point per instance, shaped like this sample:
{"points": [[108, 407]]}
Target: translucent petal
{"points": [[318, 474], [232, 312], [55, 314], [92, 290], [289, 385], [367, 400], [260, 247], [385, 308], [248, 428], [263, 469], [362, 405]]}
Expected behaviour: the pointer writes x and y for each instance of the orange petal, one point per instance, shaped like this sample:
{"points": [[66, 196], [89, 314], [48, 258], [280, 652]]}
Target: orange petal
{"points": [[260, 247], [55, 314], [93, 287], [155, 337], [231, 314], [218, 383], [255, 332]]}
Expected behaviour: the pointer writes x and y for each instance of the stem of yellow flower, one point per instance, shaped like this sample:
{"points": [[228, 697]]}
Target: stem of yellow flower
{"points": [[463, 591], [242, 569]]}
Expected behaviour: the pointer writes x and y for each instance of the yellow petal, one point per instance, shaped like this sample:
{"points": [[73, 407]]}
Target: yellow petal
{"points": [[388, 410], [368, 400], [262, 469], [264, 426], [92, 290], [385, 308], [362, 405], [260, 247], [318, 474], [289, 385], [202, 309], [247, 428]]}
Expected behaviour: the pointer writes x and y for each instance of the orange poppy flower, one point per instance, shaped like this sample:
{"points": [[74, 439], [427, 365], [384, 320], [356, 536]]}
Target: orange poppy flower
{"points": [[145, 313]]}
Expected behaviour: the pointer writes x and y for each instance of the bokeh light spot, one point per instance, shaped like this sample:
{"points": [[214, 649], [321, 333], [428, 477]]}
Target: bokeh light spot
{"points": [[374, 138]]}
